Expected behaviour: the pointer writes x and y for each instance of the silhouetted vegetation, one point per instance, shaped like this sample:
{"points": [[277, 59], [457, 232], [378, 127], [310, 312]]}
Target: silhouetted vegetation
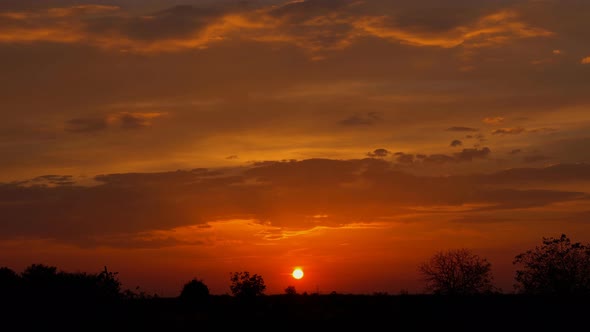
{"points": [[457, 272], [42, 296], [558, 266], [195, 293], [244, 285], [290, 290]]}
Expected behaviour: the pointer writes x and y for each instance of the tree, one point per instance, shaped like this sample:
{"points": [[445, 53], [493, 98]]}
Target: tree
{"points": [[195, 293], [558, 266], [457, 272], [290, 290], [9, 283], [244, 285]]}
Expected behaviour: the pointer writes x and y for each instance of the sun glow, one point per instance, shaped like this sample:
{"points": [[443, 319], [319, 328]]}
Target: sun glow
{"points": [[297, 273]]}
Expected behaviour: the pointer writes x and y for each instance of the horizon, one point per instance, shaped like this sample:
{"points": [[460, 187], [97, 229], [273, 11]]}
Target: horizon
{"points": [[171, 140]]}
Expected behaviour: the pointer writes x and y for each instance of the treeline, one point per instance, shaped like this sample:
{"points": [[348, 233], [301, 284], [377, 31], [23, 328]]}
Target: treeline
{"points": [[558, 266], [39, 281]]}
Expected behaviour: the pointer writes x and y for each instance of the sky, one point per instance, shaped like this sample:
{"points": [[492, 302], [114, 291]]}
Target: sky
{"points": [[171, 140]]}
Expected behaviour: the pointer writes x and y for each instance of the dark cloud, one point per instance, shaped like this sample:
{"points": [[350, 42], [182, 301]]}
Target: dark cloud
{"points": [[465, 155], [379, 153], [509, 131], [551, 174], [470, 154], [536, 158], [130, 206], [182, 21], [86, 125], [124, 120], [406, 158], [134, 120], [304, 10], [48, 180], [367, 119], [462, 129], [456, 143], [515, 151]]}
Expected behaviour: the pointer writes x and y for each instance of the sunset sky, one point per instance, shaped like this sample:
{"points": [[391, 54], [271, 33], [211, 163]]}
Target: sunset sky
{"points": [[175, 139]]}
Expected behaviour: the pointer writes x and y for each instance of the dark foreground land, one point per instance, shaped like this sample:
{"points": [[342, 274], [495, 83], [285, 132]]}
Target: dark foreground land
{"points": [[309, 312]]}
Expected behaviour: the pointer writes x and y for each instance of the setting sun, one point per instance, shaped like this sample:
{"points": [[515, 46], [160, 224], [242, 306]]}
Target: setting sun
{"points": [[297, 273]]}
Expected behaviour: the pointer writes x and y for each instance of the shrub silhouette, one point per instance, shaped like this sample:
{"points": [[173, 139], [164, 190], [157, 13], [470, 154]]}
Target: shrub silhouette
{"points": [[290, 290], [244, 285], [457, 272], [45, 282], [10, 283], [195, 293], [558, 266]]}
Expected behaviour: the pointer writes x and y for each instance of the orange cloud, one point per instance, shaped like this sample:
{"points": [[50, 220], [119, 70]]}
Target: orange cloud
{"points": [[493, 120], [335, 28], [497, 28], [585, 60]]}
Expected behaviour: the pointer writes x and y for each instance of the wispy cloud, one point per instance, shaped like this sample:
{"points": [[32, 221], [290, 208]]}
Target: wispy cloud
{"points": [[310, 25]]}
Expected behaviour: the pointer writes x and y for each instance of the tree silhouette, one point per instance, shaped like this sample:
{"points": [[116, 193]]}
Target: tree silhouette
{"points": [[244, 285], [109, 284], [558, 266], [290, 290], [45, 282], [9, 283], [457, 272], [195, 293]]}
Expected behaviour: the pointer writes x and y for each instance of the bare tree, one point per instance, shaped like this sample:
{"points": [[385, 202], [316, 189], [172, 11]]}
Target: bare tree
{"points": [[558, 266], [457, 272]]}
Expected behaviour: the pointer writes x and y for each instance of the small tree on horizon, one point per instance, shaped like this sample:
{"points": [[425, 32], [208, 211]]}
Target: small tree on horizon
{"points": [[558, 266], [457, 272], [290, 290], [244, 285], [194, 293]]}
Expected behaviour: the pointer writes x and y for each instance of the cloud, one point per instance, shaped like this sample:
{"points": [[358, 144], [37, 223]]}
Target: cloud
{"points": [[123, 120], [536, 158], [405, 158], [313, 25], [470, 154], [144, 208], [515, 151], [379, 153], [489, 30], [367, 119], [48, 180], [462, 129], [134, 120], [509, 131], [493, 120], [557, 173], [585, 60], [86, 125], [520, 130], [456, 143], [465, 155]]}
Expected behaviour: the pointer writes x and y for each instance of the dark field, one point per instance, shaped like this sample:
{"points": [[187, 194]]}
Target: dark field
{"points": [[289, 312]]}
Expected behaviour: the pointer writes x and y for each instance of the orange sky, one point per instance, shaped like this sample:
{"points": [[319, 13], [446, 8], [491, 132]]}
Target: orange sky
{"points": [[178, 139]]}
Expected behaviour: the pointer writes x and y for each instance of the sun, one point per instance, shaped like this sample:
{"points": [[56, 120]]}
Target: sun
{"points": [[297, 273]]}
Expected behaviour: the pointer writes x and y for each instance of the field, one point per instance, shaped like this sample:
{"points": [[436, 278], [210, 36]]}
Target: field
{"points": [[294, 312]]}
